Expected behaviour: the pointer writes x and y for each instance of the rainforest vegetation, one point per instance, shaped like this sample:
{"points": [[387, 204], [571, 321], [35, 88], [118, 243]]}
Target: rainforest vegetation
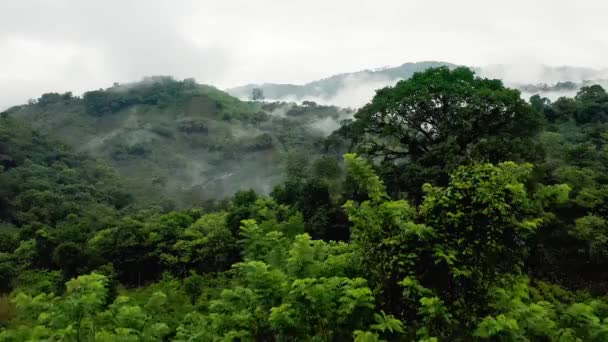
{"points": [[446, 209], [177, 143]]}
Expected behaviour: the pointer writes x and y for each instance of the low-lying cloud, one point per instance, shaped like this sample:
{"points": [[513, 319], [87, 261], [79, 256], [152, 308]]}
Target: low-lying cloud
{"points": [[358, 89]]}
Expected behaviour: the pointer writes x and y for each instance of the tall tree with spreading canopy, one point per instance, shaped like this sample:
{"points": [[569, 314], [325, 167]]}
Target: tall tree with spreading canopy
{"points": [[426, 126]]}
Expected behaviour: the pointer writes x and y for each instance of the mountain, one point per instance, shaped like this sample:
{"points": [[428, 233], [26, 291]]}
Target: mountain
{"points": [[345, 90], [357, 88], [177, 143]]}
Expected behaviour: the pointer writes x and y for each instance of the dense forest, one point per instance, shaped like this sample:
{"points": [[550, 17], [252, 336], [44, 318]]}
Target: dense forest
{"points": [[178, 142], [446, 209]]}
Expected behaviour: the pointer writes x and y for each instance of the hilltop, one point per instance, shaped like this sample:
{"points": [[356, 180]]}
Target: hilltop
{"points": [[178, 142]]}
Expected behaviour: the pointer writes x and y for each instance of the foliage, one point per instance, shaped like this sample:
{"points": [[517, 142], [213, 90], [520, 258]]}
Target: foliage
{"points": [[452, 247], [442, 118], [518, 315], [487, 248], [152, 91], [177, 143]]}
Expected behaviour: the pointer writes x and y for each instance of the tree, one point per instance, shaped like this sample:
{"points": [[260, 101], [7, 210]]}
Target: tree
{"points": [[257, 94], [427, 125], [451, 248], [543, 106], [523, 312], [68, 256], [206, 246], [593, 105]]}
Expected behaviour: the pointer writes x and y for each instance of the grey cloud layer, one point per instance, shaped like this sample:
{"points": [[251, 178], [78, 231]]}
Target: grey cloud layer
{"points": [[79, 45]]}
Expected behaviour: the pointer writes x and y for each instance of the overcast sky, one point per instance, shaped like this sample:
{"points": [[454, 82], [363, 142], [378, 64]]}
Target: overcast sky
{"points": [[76, 45]]}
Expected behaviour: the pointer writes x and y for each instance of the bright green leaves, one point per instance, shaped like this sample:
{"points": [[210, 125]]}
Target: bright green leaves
{"points": [[387, 323], [69, 317], [485, 186], [306, 256], [388, 244], [364, 175], [86, 294], [522, 317], [242, 309], [258, 244], [265, 302], [491, 327], [519, 317], [432, 313], [323, 306], [446, 253], [128, 321], [288, 287], [207, 245], [547, 195], [82, 314], [482, 219]]}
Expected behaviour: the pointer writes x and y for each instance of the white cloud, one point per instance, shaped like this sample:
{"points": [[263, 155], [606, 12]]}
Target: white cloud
{"points": [[76, 45]]}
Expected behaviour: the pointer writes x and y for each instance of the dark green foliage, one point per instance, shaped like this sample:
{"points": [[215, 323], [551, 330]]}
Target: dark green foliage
{"points": [[593, 105], [309, 188], [590, 105], [427, 125], [68, 256], [503, 251], [44, 182], [567, 248], [153, 91], [52, 98], [179, 143]]}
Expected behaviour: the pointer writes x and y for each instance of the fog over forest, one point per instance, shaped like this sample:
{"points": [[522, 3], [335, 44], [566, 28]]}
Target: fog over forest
{"points": [[303, 170]]}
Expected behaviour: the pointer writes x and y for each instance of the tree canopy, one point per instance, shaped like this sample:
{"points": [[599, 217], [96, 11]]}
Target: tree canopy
{"points": [[469, 215], [426, 126]]}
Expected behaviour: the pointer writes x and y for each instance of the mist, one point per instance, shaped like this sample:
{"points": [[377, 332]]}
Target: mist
{"points": [[356, 89], [518, 73]]}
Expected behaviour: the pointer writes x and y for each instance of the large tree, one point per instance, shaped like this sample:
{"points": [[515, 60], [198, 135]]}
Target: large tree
{"points": [[427, 125]]}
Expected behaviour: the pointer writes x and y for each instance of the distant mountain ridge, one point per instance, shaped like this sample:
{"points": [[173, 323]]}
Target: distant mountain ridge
{"points": [[357, 88], [327, 89]]}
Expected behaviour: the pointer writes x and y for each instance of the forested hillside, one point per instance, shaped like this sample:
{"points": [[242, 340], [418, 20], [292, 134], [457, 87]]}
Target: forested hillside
{"points": [[461, 212], [177, 143]]}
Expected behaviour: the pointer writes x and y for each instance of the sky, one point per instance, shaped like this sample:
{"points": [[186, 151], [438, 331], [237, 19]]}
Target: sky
{"points": [[79, 45]]}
